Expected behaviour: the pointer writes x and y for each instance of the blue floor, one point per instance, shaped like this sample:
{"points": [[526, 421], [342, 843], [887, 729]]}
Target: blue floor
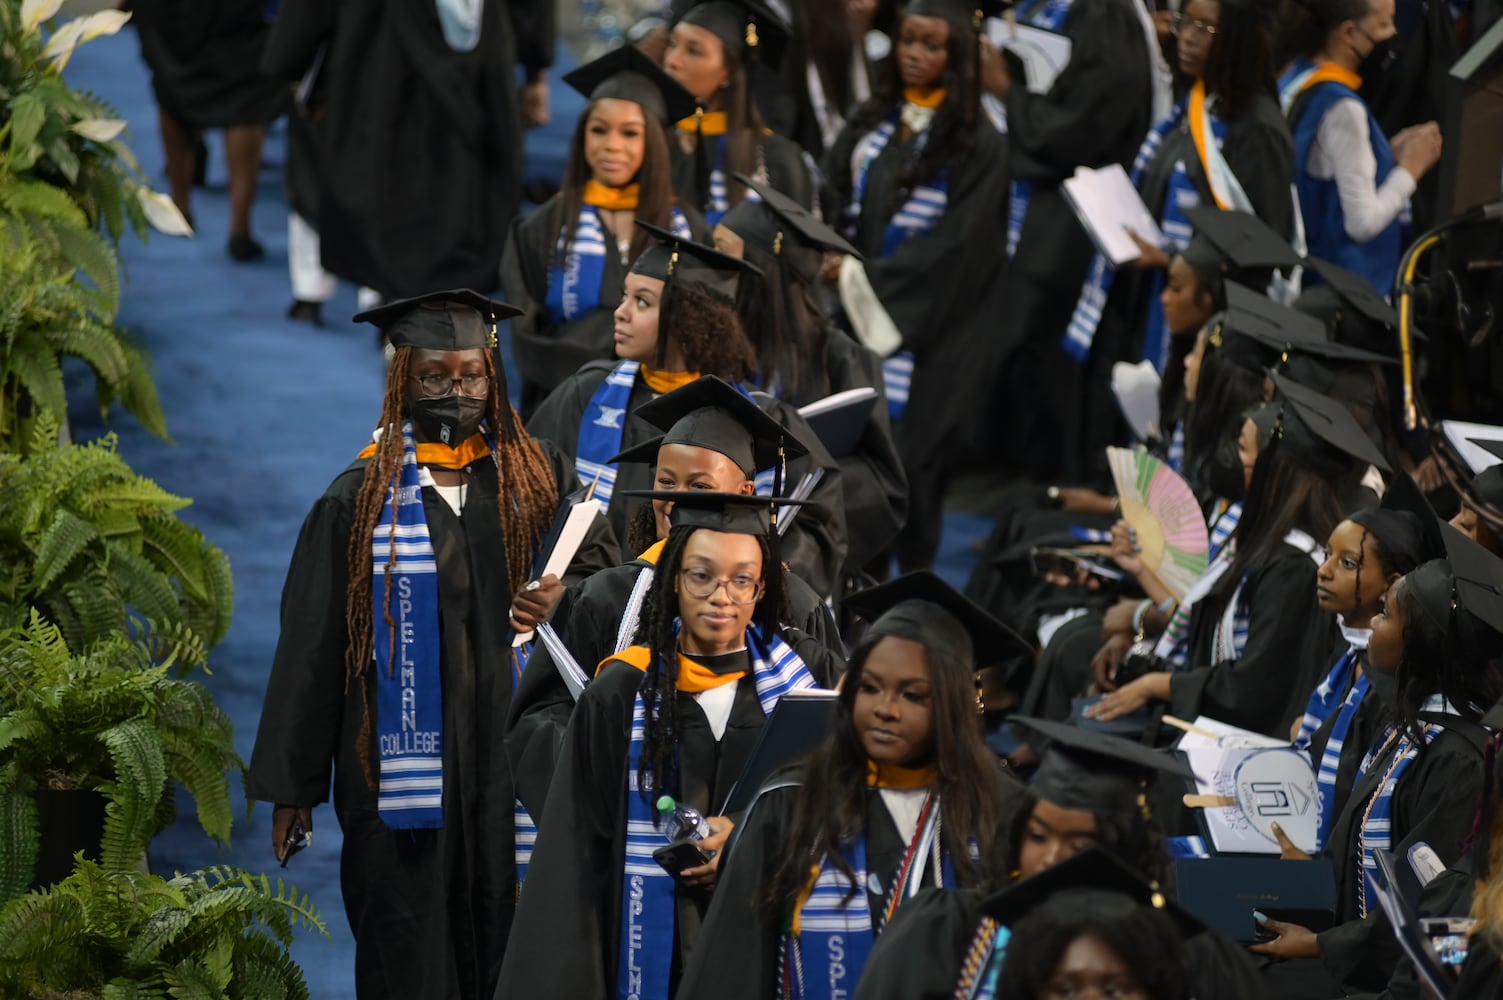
{"points": [[263, 412]]}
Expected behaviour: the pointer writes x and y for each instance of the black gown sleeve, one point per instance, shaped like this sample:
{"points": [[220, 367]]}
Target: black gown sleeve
{"points": [[875, 485], [786, 170], [1287, 638], [1098, 106], [533, 24], [918, 956], [1434, 803], [296, 33], [735, 956], [1260, 151], [299, 732]]}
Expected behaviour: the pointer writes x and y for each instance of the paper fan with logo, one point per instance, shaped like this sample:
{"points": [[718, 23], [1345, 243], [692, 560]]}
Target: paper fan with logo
{"points": [[1162, 509]]}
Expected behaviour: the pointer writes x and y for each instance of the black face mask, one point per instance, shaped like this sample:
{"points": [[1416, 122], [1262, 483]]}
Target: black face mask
{"points": [[449, 419], [1380, 58], [1224, 473]]}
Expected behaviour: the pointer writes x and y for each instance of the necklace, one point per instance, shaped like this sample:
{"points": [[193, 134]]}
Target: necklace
{"points": [[1398, 758]]}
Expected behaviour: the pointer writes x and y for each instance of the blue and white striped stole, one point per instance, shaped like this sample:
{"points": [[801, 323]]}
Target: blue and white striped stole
{"points": [[1050, 17], [718, 199], [575, 277], [1377, 825], [602, 428]]}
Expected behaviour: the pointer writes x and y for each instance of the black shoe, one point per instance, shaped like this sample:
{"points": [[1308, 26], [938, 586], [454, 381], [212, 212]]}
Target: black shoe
{"points": [[306, 312], [242, 248]]}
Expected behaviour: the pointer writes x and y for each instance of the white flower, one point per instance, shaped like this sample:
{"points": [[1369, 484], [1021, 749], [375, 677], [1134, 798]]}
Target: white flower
{"points": [[34, 12], [162, 213], [81, 29], [98, 129]]}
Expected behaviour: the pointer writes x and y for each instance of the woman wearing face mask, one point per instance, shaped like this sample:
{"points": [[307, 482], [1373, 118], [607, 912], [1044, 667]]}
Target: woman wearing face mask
{"points": [[678, 715], [1085, 808], [920, 173], [421, 787], [1420, 780], [1354, 184], [900, 796], [711, 52], [677, 322], [565, 263], [1365, 554]]}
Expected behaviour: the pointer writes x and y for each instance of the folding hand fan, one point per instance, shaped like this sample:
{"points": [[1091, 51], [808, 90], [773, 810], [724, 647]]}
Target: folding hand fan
{"points": [[1162, 509]]}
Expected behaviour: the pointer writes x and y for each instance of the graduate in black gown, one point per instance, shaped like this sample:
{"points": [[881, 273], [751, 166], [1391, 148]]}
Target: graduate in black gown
{"points": [[1422, 779], [802, 357], [565, 263], [900, 797], [676, 715], [921, 174], [676, 323], [419, 147], [1482, 974], [392, 668], [1087, 796], [714, 438], [713, 50]]}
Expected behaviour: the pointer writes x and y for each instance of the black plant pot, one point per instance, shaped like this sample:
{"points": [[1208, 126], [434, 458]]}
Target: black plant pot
{"points": [[69, 822]]}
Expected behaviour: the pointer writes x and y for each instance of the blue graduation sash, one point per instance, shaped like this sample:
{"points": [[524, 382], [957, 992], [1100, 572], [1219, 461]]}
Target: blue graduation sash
{"points": [[1050, 17]]}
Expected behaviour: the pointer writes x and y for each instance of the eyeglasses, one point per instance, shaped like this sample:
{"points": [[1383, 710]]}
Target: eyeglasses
{"points": [[1181, 22], [443, 385], [743, 588]]}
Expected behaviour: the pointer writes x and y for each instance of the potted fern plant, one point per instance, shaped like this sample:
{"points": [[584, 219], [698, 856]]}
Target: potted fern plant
{"points": [[111, 721], [217, 932]]}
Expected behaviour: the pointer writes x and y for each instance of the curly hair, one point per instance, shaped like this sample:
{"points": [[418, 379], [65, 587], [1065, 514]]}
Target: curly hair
{"points": [[527, 503], [657, 629], [654, 185], [1135, 839], [703, 325], [831, 804], [951, 133]]}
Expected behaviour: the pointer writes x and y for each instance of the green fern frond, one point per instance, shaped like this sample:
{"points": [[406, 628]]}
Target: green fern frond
{"points": [[98, 348], [18, 844], [95, 258], [141, 585], [179, 549], [63, 540], [264, 971], [96, 605], [32, 366], [39, 198], [202, 772], [190, 980], [136, 750], [35, 925]]}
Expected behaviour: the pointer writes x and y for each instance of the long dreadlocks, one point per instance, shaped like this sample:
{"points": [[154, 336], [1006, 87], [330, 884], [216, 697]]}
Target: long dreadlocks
{"points": [[527, 499]]}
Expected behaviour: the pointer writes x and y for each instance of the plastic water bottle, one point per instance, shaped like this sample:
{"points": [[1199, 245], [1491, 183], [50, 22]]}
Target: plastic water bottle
{"points": [[681, 822]]}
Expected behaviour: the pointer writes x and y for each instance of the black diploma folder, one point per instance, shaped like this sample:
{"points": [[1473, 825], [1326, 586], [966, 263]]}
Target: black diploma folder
{"points": [[796, 726], [840, 420], [1224, 891]]}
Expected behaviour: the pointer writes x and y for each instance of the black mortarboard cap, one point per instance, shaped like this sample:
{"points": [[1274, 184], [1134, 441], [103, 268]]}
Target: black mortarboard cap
{"points": [[749, 28], [626, 74], [1087, 769], [1308, 415], [922, 607], [1204, 259], [1242, 240], [1405, 524], [736, 513], [1091, 872], [1256, 316], [776, 218], [1494, 448], [674, 258], [711, 413], [1463, 594], [454, 320], [1356, 292], [965, 13]]}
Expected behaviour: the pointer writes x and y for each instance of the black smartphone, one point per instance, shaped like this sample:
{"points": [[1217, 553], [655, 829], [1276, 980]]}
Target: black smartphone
{"points": [[674, 857], [297, 839]]}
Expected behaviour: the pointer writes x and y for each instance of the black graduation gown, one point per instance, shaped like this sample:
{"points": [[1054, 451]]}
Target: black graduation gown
{"points": [[420, 146], [737, 954], [205, 61], [1096, 113], [567, 930], [815, 544], [787, 171], [875, 486], [943, 292], [587, 620], [1434, 802], [1284, 658], [548, 352], [430, 909]]}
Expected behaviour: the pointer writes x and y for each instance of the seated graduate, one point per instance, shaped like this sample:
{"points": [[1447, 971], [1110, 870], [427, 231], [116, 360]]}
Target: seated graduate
{"points": [[1257, 639], [712, 51], [678, 322], [901, 796], [802, 357], [1422, 778], [427, 877], [1482, 974], [920, 172], [675, 715], [1365, 555], [564, 264], [714, 439], [1486, 486]]}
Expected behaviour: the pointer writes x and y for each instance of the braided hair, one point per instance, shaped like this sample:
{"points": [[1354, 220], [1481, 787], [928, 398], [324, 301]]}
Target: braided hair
{"points": [[658, 631], [527, 504]]}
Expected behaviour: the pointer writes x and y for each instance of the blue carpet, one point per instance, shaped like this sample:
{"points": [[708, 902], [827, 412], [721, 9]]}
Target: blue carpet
{"points": [[264, 412]]}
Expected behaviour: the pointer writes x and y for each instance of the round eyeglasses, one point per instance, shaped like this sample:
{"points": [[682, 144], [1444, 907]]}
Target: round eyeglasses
{"points": [[443, 385], [743, 588]]}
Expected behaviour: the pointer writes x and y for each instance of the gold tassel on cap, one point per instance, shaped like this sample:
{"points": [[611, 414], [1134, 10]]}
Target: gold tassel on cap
{"points": [[493, 342], [751, 34], [777, 244]]}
